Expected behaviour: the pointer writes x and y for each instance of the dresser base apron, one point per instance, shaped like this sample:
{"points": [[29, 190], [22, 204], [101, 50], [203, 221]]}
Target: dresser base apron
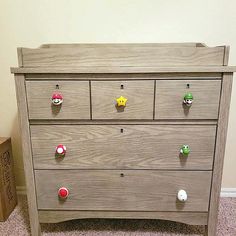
{"points": [[192, 218]]}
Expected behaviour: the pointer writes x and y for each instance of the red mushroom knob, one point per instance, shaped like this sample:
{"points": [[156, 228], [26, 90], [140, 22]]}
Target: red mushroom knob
{"points": [[63, 193], [61, 150], [57, 99]]}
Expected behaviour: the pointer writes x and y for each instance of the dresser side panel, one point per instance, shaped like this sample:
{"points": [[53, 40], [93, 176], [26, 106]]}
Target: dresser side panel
{"points": [[219, 151], [27, 154]]}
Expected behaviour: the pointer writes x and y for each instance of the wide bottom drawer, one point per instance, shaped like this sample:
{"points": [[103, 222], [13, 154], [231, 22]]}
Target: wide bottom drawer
{"points": [[123, 190]]}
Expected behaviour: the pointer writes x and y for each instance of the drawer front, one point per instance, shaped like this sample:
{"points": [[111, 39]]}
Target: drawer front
{"points": [[123, 146], [125, 190], [170, 95], [76, 99], [139, 95]]}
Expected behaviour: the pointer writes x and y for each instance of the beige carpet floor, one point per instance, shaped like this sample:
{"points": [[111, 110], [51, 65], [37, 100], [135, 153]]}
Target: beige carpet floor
{"points": [[18, 224]]}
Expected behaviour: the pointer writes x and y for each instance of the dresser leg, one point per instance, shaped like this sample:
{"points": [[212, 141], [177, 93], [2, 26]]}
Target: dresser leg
{"points": [[206, 230], [35, 229], [210, 230]]}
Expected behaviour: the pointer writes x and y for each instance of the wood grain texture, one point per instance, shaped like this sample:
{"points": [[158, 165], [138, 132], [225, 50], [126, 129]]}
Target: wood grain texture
{"points": [[76, 100], [145, 152], [137, 190], [20, 57], [140, 95], [219, 152], [122, 55], [72, 45], [226, 55], [170, 94], [27, 154], [138, 147], [192, 218], [122, 69], [124, 122], [124, 76]]}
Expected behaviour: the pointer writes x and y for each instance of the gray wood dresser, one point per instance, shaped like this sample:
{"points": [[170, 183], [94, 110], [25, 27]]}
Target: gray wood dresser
{"points": [[124, 131]]}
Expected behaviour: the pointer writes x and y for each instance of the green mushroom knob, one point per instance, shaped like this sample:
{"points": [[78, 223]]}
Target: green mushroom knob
{"points": [[188, 99], [185, 150]]}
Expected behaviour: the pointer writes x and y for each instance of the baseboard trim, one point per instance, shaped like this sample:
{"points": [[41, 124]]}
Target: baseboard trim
{"points": [[228, 192], [225, 192], [21, 190]]}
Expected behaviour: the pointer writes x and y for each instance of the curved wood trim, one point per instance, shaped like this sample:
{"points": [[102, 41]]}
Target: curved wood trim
{"points": [[192, 218]]}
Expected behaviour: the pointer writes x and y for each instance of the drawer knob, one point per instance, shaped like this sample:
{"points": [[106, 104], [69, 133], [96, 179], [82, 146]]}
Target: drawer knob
{"points": [[185, 150], [57, 99], [121, 101], [188, 99], [182, 195], [63, 193], [61, 150]]}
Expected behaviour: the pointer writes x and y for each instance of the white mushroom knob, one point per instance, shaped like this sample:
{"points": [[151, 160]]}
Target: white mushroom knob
{"points": [[61, 150], [182, 196]]}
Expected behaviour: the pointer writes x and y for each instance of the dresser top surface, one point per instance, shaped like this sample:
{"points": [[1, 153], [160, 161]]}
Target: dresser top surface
{"points": [[123, 58], [121, 70]]}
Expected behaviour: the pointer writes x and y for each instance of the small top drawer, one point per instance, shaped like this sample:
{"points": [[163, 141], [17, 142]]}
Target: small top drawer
{"points": [[75, 94], [203, 95], [139, 103]]}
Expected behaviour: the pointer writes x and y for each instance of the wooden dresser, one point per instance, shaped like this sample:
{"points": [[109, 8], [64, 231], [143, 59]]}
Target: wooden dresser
{"points": [[124, 131]]}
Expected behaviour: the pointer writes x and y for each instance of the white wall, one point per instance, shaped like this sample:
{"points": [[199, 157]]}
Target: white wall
{"points": [[30, 23]]}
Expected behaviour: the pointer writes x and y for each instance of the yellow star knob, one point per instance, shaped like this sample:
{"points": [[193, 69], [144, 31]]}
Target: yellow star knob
{"points": [[121, 101]]}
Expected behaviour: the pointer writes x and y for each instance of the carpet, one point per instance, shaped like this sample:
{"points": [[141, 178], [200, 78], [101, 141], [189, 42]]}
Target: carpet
{"points": [[18, 224]]}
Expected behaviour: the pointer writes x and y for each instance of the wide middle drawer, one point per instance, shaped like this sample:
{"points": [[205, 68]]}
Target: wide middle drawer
{"points": [[123, 146]]}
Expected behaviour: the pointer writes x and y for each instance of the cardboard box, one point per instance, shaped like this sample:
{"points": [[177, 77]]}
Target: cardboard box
{"points": [[8, 197]]}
